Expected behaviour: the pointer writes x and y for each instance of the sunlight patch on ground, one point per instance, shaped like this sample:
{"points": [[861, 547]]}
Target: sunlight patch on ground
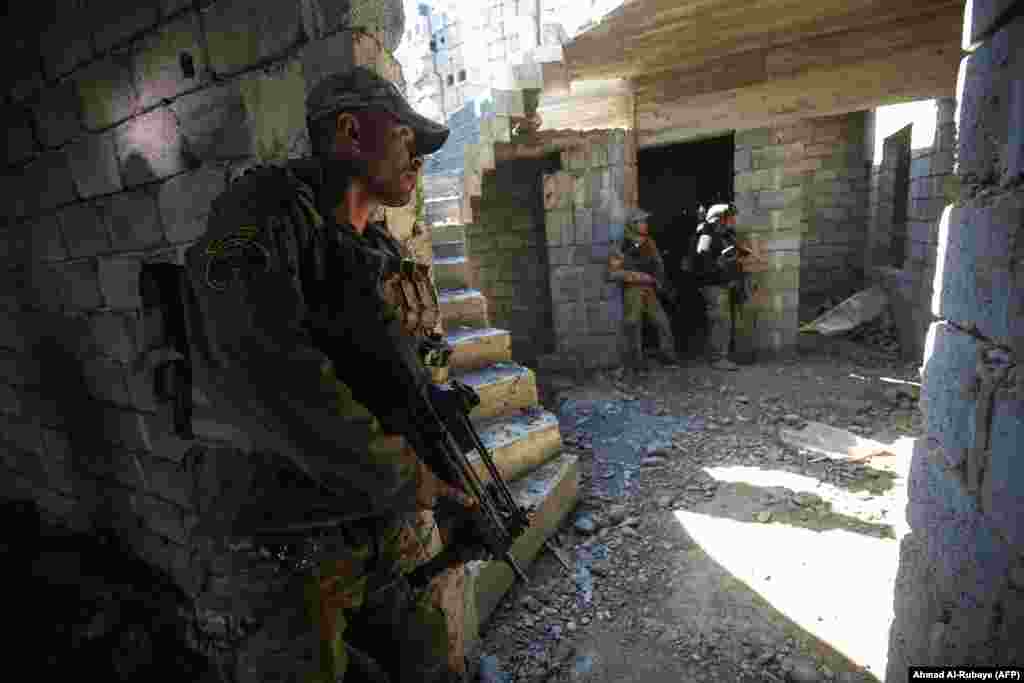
{"points": [[835, 584]]}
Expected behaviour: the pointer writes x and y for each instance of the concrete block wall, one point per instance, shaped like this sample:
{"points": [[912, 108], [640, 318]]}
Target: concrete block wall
{"points": [[800, 191], [889, 203], [932, 184], [585, 210], [960, 588], [464, 124], [124, 123], [509, 261]]}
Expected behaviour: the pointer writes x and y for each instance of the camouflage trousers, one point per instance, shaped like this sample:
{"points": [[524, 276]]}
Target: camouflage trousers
{"points": [[719, 313], [639, 305]]}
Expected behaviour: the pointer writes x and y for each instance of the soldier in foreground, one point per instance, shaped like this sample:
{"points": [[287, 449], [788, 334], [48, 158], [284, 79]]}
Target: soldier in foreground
{"points": [[296, 339], [638, 267]]}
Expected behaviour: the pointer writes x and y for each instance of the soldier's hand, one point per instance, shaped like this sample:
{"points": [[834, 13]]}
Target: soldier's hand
{"points": [[431, 489]]}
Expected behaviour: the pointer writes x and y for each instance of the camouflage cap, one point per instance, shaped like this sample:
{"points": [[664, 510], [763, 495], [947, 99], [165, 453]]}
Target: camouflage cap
{"points": [[361, 88]]}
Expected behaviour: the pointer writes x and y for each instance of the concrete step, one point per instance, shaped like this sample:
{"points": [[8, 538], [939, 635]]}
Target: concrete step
{"points": [[552, 490], [449, 249], [518, 443], [504, 388], [451, 273], [463, 308], [474, 348], [447, 233]]}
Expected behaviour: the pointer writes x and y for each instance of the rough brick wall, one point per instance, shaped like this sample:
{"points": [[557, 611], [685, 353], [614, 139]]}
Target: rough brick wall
{"points": [[801, 192], [960, 587], [508, 256], [585, 210], [908, 281], [125, 120]]}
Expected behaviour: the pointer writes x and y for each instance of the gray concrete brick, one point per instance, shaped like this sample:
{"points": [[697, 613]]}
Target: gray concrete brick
{"points": [[743, 159], [127, 428], [116, 23], [215, 123], [107, 91], [948, 379], [134, 220], [46, 183], [94, 166], [105, 380], [65, 40], [239, 34], [1002, 498], [989, 106], [81, 287], [982, 17], [185, 202], [119, 282], [57, 114], [157, 60], [150, 147], [85, 229], [112, 336], [45, 239], [43, 287], [982, 282], [21, 141]]}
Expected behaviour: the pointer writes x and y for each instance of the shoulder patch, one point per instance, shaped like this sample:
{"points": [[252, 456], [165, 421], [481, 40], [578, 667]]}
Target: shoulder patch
{"points": [[227, 258]]}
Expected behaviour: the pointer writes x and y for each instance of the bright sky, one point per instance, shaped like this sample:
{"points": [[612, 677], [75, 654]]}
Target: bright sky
{"points": [[894, 117]]}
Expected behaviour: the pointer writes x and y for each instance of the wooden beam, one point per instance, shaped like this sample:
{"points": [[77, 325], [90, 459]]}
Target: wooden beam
{"points": [[749, 68], [918, 73], [646, 37]]}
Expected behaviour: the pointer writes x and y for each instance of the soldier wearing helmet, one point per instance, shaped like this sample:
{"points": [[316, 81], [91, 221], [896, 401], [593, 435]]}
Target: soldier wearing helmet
{"points": [[636, 264], [716, 266]]}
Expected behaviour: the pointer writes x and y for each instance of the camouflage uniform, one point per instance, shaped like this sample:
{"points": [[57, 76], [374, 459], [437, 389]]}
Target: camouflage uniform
{"points": [[640, 300], [268, 280]]}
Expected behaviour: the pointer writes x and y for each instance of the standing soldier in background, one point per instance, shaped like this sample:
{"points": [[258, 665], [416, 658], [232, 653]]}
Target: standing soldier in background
{"points": [[716, 267], [301, 309], [638, 267]]}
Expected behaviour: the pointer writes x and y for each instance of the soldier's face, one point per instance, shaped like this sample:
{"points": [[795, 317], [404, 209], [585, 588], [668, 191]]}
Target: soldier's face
{"points": [[392, 164], [388, 149], [642, 232]]}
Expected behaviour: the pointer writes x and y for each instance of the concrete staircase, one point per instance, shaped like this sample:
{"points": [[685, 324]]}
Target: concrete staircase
{"points": [[523, 438]]}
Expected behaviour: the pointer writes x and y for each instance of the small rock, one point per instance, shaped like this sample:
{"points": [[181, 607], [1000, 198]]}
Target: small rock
{"points": [[801, 670], [792, 419], [585, 524], [652, 461], [571, 626], [764, 516], [617, 513], [742, 399]]}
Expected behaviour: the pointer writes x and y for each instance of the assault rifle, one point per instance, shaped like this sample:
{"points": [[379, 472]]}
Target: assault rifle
{"points": [[497, 520]]}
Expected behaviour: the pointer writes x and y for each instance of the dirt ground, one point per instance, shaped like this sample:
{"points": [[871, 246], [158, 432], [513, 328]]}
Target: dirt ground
{"points": [[723, 554]]}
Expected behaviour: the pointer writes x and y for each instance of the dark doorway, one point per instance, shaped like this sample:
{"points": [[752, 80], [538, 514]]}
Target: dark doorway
{"points": [[674, 181]]}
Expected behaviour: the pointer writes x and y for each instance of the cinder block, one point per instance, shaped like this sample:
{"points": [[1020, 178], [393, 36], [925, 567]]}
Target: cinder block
{"points": [[949, 383], [47, 180], [85, 229], [981, 249], [94, 166], [185, 202], [21, 140], [134, 220], [150, 147], [45, 239], [64, 39], [57, 114], [240, 34], [105, 380], [1002, 499], [990, 104], [215, 124], [115, 24], [277, 109], [44, 287], [160, 56], [113, 337], [107, 91], [81, 286], [119, 282]]}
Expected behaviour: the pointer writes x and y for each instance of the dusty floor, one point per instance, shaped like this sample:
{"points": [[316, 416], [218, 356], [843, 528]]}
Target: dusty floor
{"points": [[704, 548]]}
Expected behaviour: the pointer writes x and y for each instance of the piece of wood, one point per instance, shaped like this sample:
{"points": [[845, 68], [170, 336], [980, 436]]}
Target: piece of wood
{"points": [[827, 91]]}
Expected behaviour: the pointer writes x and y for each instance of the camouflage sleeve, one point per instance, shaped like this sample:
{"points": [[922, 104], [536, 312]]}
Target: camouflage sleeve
{"points": [[247, 277]]}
